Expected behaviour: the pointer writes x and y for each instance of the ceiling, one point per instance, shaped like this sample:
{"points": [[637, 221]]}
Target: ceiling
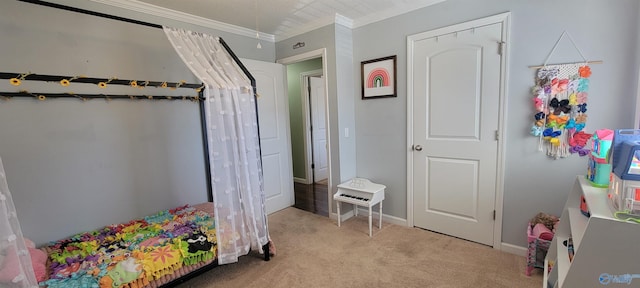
{"points": [[281, 19]]}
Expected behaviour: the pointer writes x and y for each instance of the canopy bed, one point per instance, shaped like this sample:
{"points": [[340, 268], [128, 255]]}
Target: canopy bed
{"points": [[166, 248]]}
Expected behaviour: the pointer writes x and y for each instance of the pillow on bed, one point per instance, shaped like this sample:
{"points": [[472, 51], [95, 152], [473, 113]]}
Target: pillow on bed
{"points": [[10, 265], [206, 207]]}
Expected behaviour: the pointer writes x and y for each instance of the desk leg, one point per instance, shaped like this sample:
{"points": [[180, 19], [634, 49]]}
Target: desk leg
{"points": [[355, 210], [380, 225], [338, 203], [370, 221]]}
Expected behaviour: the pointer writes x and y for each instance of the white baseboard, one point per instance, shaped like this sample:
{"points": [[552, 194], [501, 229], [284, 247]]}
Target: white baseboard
{"points": [[345, 216], [361, 211], [505, 247], [385, 218], [513, 249], [300, 180]]}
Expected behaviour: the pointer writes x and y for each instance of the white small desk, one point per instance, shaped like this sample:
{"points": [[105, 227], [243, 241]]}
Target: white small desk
{"points": [[360, 192]]}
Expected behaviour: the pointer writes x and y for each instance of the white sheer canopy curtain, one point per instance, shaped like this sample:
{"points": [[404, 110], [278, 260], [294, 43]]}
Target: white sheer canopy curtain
{"points": [[234, 151], [14, 255]]}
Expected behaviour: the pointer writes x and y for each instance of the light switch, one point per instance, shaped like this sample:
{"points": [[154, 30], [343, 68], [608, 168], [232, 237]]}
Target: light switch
{"points": [[346, 132]]}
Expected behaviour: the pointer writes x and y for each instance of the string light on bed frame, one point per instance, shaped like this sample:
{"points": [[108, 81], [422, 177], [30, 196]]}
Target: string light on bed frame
{"points": [[16, 79]]}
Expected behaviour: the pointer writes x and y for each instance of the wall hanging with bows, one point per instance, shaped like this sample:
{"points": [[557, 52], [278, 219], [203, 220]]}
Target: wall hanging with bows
{"points": [[560, 102]]}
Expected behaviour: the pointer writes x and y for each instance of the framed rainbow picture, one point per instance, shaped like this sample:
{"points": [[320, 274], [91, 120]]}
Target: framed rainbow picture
{"points": [[379, 78]]}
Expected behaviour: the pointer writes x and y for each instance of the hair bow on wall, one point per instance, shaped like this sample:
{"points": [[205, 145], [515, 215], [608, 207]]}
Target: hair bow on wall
{"points": [[583, 85], [579, 149], [582, 97], [573, 85], [536, 130], [538, 104], [554, 121], [582, 108], [579, 139], [539, 116], [584, 71], [560, 106], [581, 118], [571, 124], [559, 85], [549, 132], [573, 99]]}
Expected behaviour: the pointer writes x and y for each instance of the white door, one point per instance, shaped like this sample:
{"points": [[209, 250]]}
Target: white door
{"points": [[273, 118], [456, 94], [319, 128]]}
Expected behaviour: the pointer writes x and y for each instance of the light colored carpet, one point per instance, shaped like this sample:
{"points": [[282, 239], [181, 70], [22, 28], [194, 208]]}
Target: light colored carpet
{"points": [[312, 251]]}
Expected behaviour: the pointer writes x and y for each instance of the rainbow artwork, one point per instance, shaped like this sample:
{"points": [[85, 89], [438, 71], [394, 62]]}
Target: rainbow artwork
{"points": [[378, 78]]}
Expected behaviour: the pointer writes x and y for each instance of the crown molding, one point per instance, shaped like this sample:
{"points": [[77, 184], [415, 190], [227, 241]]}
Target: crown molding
{"points": [[344, 21], [150, 9], [338, 19], [392, 13]]}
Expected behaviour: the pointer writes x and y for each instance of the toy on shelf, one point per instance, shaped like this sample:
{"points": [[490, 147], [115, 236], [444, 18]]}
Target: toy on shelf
{"points": [[621, 136], [625, 197], [627, 165], [584, 209], [599, 168], [624, 189]]}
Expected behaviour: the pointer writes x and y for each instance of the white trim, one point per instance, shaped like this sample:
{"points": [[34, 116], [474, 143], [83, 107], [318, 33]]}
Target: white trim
{"points": [[150, 9], [386, 14], [344, 217], [513, 249], [389, 219], [410, 131], [322, 52], [385, 217], [300, 180], [502, 127], [503, 19], [500, 18], [352, 24], [344, 21], [306, 121]]}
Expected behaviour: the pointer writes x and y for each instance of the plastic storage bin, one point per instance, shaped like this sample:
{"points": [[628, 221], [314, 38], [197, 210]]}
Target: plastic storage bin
{"points": [[536, 250]]}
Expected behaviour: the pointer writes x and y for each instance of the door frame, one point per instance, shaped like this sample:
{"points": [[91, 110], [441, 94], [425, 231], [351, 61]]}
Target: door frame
{"points": [[322, 53], [306, 121], [503, 19]]}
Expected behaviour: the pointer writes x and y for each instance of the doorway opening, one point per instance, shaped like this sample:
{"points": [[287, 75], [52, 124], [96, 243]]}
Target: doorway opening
{"points": [[309, 126]]}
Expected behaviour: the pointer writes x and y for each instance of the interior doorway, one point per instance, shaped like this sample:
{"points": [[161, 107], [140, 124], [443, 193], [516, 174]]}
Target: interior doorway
{"points": [[315, 129], [309, 122]]}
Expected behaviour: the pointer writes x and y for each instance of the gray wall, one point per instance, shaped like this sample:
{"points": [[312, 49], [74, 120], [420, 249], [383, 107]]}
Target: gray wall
{"points": [[337, 40], [73, 166], [533, 183], [296, 113], [317, 39]]}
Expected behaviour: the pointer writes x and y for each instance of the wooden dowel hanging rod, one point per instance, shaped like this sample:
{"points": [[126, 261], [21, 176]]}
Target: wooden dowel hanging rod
{"points": [[90, 80], [588, 62], [44, 96]]}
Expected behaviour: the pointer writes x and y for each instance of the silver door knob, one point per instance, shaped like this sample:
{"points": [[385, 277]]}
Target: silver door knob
{"points": [[417, 147]]}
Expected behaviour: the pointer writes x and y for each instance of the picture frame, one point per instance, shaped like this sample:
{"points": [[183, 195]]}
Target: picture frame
{"points": [[379, 78]]}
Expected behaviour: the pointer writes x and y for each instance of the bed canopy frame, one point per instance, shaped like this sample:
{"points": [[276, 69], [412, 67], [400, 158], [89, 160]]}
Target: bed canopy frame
{"points": [[144, 83]]}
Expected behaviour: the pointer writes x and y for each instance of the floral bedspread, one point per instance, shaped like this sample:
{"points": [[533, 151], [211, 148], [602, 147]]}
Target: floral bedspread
{"points": [[132, 254]]}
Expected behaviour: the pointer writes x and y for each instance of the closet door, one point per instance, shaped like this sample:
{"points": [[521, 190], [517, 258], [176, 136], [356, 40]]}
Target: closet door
{"points": [[273, 117]]}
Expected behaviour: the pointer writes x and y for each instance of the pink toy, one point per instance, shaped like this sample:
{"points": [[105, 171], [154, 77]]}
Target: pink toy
{"points": [[10, 265]]}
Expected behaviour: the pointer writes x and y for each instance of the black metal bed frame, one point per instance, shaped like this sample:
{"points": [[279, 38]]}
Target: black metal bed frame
{"points": [[145, 83]]}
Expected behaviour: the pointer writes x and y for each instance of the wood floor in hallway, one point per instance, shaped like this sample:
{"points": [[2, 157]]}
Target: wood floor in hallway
{"points": [[312, 198]]}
